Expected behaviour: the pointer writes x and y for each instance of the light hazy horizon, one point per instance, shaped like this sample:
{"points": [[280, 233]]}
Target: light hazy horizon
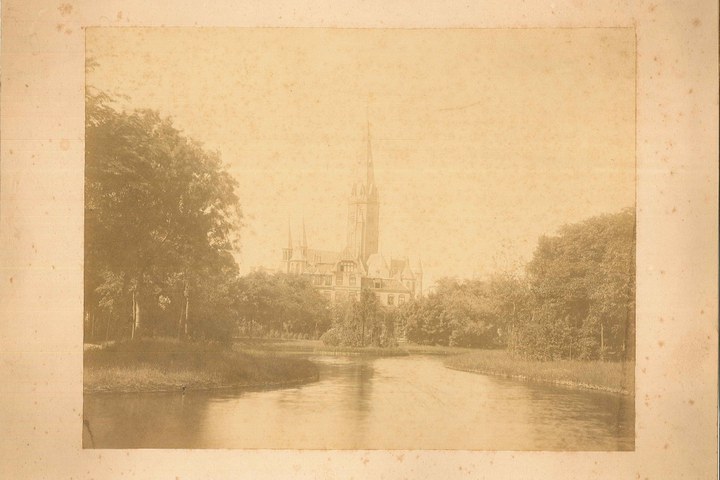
{"points": [[483, 140]]}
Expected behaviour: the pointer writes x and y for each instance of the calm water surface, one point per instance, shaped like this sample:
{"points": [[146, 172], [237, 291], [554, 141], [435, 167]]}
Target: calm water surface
{"points": [[361, 403]]}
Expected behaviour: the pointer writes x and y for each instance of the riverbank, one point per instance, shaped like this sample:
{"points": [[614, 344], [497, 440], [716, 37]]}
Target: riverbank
{"points": [[264, 345], [614, 377], [162, 365]]}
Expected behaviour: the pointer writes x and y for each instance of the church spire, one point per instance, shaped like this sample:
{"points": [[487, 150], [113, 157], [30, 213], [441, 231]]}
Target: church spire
{"points": [[290, 244], [370, 172], [304, 237]]}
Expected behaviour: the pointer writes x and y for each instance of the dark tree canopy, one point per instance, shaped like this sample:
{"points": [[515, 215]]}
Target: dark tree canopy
{"points": [[576, 301], [582, 283], [281, 305], [161, 216]]}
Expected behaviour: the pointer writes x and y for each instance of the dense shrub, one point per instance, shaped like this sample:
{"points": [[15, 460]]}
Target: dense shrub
{"points": [[330, 338]]}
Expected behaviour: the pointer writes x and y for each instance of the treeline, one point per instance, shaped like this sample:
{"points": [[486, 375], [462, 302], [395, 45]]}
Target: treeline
{"points": [[161, 214], [577, 299], [363, 323], [161, 222], [281, 306], [470, 313]]}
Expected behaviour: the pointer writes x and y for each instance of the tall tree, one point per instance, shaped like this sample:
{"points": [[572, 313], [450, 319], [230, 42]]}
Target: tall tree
{"points": [[158, 209], [583, 288]]}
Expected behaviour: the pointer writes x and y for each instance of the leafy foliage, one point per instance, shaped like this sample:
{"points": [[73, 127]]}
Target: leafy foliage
{"points": [[577, 300], [472, 313], [281, 305], [160, 220], [582, 284], [362, 323]]}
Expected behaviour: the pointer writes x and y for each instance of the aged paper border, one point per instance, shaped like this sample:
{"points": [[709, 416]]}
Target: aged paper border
{"points": [[41, 237]]}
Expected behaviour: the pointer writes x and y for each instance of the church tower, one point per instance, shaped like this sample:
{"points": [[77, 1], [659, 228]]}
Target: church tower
{"points": [[364, 212], [287, 252]]}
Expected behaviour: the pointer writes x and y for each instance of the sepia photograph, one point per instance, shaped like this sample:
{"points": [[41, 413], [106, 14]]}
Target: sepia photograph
{"points": [[337, 239], [359, 239]]}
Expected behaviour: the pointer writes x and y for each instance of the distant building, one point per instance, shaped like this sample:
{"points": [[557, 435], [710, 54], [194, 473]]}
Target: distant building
{"points": [[340, 275]]}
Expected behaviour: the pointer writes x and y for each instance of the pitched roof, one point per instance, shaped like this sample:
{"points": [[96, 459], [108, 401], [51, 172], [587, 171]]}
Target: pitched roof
{"points": [[320, 269], [322, 256], [390, 285]]}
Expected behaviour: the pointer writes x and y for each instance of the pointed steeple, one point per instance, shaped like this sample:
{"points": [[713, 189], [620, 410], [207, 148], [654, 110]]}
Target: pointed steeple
{"points": [[290, 244], [370, 168], [304, 237]]}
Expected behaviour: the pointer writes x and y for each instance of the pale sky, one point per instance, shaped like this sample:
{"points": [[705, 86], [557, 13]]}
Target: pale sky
{"points": [[483, 140]]}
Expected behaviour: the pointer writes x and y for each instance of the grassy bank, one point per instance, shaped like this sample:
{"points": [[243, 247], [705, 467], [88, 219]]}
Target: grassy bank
{"points": [[261, 345], [415, 349], [168, 365], [616, 377], [369, 351], [264, 345]]}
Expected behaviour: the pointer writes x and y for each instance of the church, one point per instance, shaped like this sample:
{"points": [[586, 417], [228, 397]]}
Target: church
{"points": [[340, 275]]}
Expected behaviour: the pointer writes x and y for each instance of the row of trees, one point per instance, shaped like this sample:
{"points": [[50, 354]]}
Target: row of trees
{"points": [[582, 292], [471, 313], [363, 323], [161, 214], [577, 299], [161, 220], [281, 305]]}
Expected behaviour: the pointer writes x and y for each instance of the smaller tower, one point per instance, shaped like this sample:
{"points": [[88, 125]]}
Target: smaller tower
{"points": [[417, 271], [287, 252], [304, 244], [407, 276], [298, 261]]}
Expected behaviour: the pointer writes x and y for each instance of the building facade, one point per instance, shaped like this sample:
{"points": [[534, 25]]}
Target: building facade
{"points": [[340, 275]]}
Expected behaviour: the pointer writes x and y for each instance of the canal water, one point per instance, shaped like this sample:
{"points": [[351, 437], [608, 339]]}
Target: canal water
{"points": [[369, 403]]}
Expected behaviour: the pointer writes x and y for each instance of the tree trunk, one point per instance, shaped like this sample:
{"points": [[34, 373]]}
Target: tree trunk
{"points": [[362, 335], [89, 318], [602, 342], [132, 332], [181, 319], [187, 310], [137, 322]]}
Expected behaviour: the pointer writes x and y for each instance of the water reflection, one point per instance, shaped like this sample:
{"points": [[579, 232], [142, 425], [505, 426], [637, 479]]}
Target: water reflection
{"points": [[359, 403]]}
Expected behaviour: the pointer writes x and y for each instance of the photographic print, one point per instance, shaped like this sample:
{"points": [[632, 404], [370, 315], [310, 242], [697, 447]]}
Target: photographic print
{"points": [[359, 238]]}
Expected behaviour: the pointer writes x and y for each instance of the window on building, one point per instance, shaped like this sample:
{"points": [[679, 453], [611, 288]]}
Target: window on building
{"points": [[328, 279], [377, 283], [401, 299], [339, 278], [352, 280], [391, 300]]}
